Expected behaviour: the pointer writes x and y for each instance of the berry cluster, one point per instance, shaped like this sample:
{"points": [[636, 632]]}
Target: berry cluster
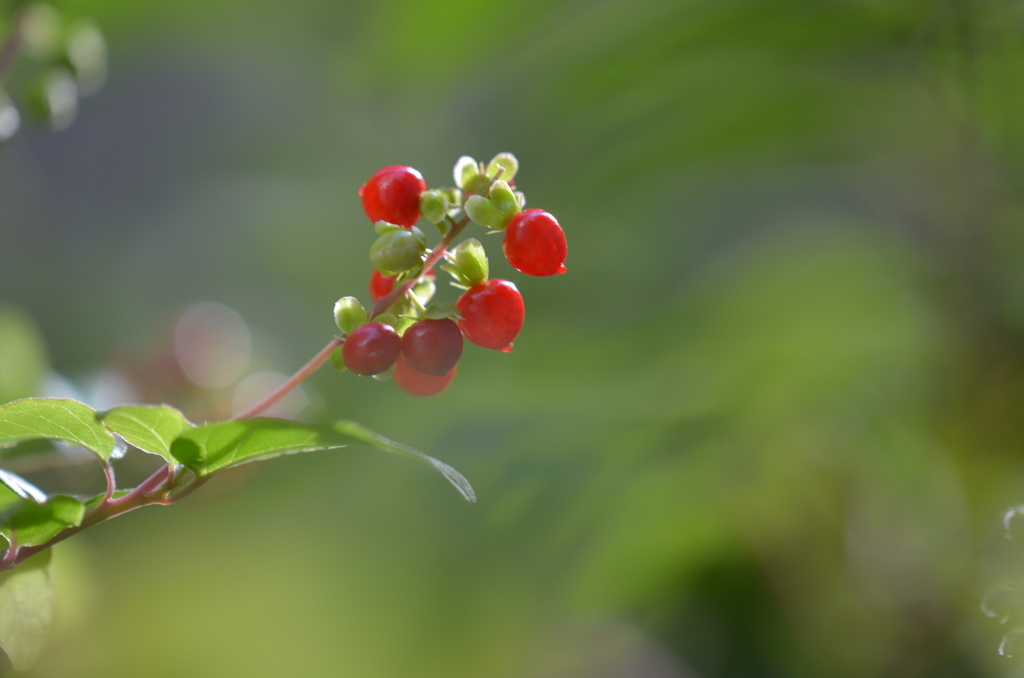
{"points": [[406, 335]]}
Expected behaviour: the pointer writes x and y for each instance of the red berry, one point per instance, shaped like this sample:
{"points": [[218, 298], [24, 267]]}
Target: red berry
{"points": [[432, 346], [419, 384], [535, 244], [492, 314], [380, 285], [393, 194], [371, 348]]}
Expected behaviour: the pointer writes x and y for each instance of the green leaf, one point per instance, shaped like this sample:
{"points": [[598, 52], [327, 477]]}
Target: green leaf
{"points": [[151, 428], [213, 447], [34, 524], [27, 447], [26, 610], [57, 419]]}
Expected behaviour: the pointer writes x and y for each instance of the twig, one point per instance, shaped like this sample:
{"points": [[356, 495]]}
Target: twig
{"points": [[11, 44], [384, 302], [284, 389]]}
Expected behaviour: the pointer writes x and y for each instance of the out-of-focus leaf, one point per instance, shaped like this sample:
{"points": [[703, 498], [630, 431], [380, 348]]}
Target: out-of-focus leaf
{"points": [[34, 524], [26, 610], [26, 448], [213, 447], [151, 428], [22, 487], [22, 357], [57, 419]]}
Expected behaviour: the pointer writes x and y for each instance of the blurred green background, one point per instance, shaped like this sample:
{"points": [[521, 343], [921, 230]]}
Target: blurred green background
{"points": [[768, 425]]}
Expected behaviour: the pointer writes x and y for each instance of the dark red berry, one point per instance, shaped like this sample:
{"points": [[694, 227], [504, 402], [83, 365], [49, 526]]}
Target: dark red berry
{"points": [[492, 314], [432, 346], [393, 194], [371, 348], [535, 244], [380, 285], [419, 384]]}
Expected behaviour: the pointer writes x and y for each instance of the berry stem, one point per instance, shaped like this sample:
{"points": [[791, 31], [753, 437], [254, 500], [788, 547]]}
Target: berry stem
{"points": [[284, 389], [435, 256]]}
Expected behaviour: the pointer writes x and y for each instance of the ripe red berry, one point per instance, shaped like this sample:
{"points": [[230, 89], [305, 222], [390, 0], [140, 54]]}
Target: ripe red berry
{"points": [[432, 346], [380, 285], [419, 384], [371, 348], [393, 194], [492, 314], [535, 244]]}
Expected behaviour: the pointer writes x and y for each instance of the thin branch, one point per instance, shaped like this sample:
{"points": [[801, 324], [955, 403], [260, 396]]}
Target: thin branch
{"points": [[384, 302], [147, 486], [11, 44], [284, 389]]}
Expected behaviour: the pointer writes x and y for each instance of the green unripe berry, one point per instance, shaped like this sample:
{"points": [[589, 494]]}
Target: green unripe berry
{"points": [[383, 227], [471, 260], [403, 323], [482, 211], [424, 291], [452, 195], [506, 164], [504, 198], [41, 31], [385, 375], [349, 314], [338, 359], [387, 319], [397, 251], [53, 97], [85, 51], [466, 168], [433, 206]]}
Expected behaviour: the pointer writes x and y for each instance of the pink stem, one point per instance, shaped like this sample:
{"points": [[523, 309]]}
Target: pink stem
{"points": [[11, 557], [284, 389], [108, 471], [147, 486], [434, 257]]}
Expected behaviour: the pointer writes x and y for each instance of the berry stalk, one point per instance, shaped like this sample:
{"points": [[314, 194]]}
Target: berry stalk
{"points": [[284, 389], [435, 256]]}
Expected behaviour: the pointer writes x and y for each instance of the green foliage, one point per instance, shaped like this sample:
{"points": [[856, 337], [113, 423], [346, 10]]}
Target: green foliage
{"points": [[151, 428], [26, 610], [65, 420], [35, 524], [221, 445]]}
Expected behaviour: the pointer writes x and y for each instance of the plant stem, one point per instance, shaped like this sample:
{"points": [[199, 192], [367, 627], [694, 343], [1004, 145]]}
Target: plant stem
{"points": [[325, 353], [98, 515], [157, 488], [108, 471], [11, 557], [435, 256], [284, 389], [147, 486], [9, 48]]}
